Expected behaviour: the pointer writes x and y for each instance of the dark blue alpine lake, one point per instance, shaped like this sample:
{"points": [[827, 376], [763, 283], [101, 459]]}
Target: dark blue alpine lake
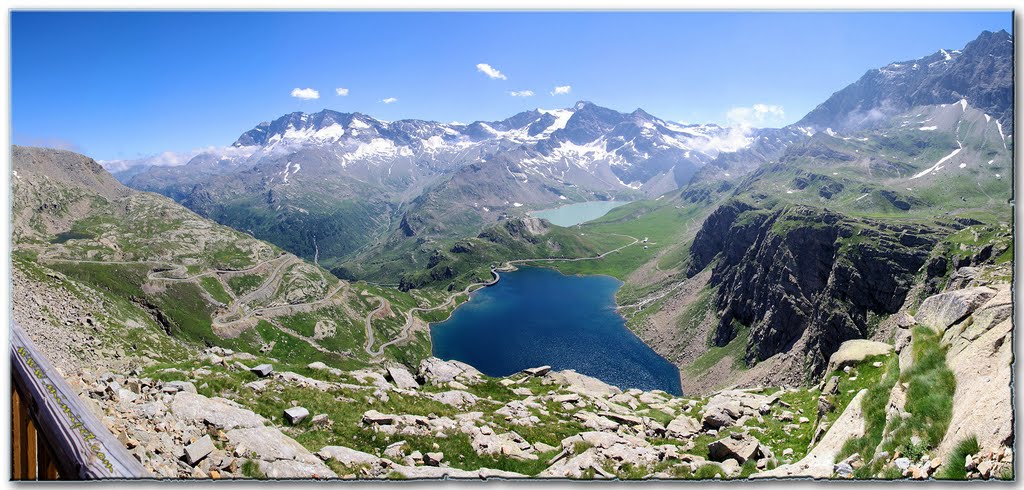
{"points": [[537, 316]]}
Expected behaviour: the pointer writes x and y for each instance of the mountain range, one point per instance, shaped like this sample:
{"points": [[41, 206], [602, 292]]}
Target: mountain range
{"points": [[864, 254], [329, 185]]}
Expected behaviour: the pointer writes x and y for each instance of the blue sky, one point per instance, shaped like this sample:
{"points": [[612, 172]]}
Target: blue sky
{"points": [[124, 85]]}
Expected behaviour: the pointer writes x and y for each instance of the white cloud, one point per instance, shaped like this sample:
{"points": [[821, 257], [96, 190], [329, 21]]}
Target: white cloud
{"points": [[175, 158], [561, 90], [521, 93], [305, 93], [756, 115], [389, 100], [341, 91], [490, 71]]}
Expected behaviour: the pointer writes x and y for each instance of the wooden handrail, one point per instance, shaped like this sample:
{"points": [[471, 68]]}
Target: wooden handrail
{"points": [[78, 443]]}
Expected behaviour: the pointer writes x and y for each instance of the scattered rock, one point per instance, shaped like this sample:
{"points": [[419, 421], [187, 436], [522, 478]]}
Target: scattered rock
{"points": [[433, 459], [199, 450], [263, 370], [402, 377], [820, 460], [320, 420], [739, 447], [456, 398], [901, 464], [375, 417], [295, 415], [683, 427], [537, 371]]}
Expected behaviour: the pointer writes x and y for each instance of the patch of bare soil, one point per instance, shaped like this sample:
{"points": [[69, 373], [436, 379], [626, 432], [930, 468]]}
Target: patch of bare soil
{"points": [[384, 312], [661, 331]]}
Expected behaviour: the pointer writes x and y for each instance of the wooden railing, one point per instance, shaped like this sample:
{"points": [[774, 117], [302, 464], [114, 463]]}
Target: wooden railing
{"points": [[54, 435]]}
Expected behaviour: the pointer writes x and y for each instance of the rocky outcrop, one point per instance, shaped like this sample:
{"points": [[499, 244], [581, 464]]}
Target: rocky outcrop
{"points": [[221, 413], [278, 455], [854, 351], [436, 371], [804, 274], [738, 446], [943, 310], [980, 354], [580, 383], [820, 461], [733, 407], [603, 449]]}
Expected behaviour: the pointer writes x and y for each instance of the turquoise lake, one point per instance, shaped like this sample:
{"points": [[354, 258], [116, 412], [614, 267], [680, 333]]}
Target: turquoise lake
{"points": [[581, 212], [537, 316]]}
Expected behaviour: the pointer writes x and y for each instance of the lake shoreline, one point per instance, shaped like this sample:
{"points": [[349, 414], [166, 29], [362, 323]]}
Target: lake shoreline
{"points": [[625, 349], [576, 213]]}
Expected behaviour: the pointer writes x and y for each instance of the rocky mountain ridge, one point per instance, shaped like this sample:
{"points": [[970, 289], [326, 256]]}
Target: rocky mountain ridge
{"points": [[981, 73]]}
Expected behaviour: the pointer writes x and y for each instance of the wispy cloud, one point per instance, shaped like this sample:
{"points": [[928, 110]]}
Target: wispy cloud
{"points": [[490, 71], [305, 93], [561, 90], [755, 115], [175, 158], [389, 100], [341, 91], [521, 93]]}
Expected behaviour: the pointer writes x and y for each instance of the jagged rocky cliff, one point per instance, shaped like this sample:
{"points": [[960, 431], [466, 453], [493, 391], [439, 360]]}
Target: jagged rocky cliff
{"points": [[801, 273]]}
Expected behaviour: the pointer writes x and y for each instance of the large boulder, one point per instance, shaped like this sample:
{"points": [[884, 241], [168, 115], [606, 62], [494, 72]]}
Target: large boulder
{"points": [[295, 379], [402, 377], [942, 310], [218, 412], [455, 398], [537, 371], [581, 383], [683, 427], [295, 415], [594, 421], [278, 455], [727, 407], [506, 445], [854, 351], [738, 446], [268, 443], [603, 449], [371, 417], [438, 371], [263, 370], [347, 456], [199, 450]]}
